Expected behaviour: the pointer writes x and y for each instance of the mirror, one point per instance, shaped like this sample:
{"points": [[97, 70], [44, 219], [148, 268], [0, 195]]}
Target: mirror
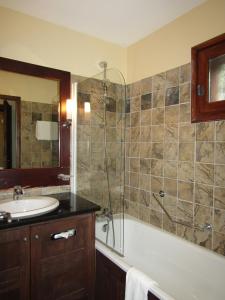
{"points": [[32, 114], [10, 112], [36, 100]]}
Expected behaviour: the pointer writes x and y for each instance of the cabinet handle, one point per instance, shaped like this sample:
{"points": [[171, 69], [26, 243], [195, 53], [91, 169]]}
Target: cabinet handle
{"points": [[63, 235], [36, 236], [25, 239]]}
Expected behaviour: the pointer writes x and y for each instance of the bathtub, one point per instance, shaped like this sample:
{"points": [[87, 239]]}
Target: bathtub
{"points": [[181, 270]]}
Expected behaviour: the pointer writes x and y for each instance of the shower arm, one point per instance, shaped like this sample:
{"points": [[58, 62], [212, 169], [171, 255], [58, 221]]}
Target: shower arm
{"points": [[205, 226]]}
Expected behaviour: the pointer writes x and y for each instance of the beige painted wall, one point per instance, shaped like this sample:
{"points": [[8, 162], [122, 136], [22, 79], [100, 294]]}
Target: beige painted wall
{"points": [[35, 41], [170, 46], [29, 88]]}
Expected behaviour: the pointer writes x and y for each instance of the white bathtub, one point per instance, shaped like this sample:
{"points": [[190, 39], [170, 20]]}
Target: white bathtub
{"points": [[182, 270]]}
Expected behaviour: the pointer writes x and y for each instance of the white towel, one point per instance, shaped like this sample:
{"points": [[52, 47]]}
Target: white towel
{"points": [[137, 285]]}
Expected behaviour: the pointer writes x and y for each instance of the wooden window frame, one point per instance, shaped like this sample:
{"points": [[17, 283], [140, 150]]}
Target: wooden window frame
{"points": [[201, 109]]}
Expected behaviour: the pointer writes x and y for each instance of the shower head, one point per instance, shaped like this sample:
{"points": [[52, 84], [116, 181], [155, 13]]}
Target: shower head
{"points": [[105, 82], [103, 65]]}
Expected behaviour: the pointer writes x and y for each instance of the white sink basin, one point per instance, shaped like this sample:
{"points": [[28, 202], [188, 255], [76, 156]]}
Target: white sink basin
{"points": [[29, 206]]}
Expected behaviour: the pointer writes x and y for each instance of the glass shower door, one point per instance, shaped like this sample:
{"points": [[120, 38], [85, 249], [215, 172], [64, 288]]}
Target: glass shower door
{"points": [[100, 152]]}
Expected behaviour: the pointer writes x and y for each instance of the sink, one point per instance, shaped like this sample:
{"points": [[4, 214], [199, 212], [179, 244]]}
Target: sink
{"points": [[29, 206]]}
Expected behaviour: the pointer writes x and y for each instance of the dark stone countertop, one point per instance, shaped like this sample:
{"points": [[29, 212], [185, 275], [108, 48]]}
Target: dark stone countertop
{"points": [[69, 205]]}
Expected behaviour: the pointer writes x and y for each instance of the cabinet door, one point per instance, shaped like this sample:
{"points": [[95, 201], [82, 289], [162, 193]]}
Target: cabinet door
{"points": [[63, 269], [110, 279], [14, 264]]}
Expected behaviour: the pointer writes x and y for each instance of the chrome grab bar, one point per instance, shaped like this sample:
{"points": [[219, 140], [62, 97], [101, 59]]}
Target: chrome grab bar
{"points": [[203, 227]]}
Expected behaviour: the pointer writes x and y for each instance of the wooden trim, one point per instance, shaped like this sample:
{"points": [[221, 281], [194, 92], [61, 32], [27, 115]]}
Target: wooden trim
{"points": [[31, 177], [41, 176], [201, 108]]}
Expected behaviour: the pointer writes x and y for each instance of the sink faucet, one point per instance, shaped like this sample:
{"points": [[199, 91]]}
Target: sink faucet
{"points": [[17, 192]]}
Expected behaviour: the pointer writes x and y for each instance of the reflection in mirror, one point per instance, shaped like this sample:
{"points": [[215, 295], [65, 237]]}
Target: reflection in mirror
{"points": [[217, 78], [33, 142], [9, 132]]}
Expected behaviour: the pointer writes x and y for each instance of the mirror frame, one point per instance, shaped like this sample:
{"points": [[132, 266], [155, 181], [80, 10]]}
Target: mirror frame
{"points": [[201, 109], [37, 177]]}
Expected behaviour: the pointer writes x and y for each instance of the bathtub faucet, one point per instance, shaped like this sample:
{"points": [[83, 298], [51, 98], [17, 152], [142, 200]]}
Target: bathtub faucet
{"points": [[105, 213]]}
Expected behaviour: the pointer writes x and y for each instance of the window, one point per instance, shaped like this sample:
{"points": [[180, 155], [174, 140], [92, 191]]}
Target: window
{"points": [[208, 80]]}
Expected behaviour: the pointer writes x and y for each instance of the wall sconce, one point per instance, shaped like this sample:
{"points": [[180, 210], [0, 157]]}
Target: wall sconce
{"points": [[87, 107], [69, 112]]}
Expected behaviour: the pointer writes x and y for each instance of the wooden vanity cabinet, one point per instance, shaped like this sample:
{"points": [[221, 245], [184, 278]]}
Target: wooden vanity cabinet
{"points": [[61, 269]]}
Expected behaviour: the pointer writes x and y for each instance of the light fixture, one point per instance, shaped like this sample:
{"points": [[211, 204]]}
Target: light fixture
{"points": [[87, 107], [69, 112], [69, 109]]}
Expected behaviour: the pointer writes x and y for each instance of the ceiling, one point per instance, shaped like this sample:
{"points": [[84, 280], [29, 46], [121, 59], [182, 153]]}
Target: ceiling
{"points": [[123, 22]]}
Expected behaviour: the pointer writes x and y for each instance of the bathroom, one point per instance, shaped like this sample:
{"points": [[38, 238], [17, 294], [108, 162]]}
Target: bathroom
{"points": [[146, 169]]}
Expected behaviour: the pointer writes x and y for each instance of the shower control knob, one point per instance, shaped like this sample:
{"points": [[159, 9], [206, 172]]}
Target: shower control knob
{"points": [[162, 194], [36, 236]]}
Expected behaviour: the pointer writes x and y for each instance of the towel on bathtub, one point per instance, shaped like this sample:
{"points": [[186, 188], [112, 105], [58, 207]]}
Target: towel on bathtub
{"points": [[137, 285]]}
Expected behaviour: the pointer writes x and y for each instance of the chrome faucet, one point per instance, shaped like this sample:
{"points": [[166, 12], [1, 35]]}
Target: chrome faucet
{"points": [[17, 192], [105, 213]]}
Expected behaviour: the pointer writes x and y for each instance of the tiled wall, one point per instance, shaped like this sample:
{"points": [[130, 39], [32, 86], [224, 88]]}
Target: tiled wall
{"points": [[91, 168], [35, 153], [165, 151], [38, 191]]}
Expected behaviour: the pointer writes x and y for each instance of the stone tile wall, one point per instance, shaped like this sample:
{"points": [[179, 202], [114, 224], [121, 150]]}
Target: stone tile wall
{"points": [[34, 153], [37, 191], [165, 151]]}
